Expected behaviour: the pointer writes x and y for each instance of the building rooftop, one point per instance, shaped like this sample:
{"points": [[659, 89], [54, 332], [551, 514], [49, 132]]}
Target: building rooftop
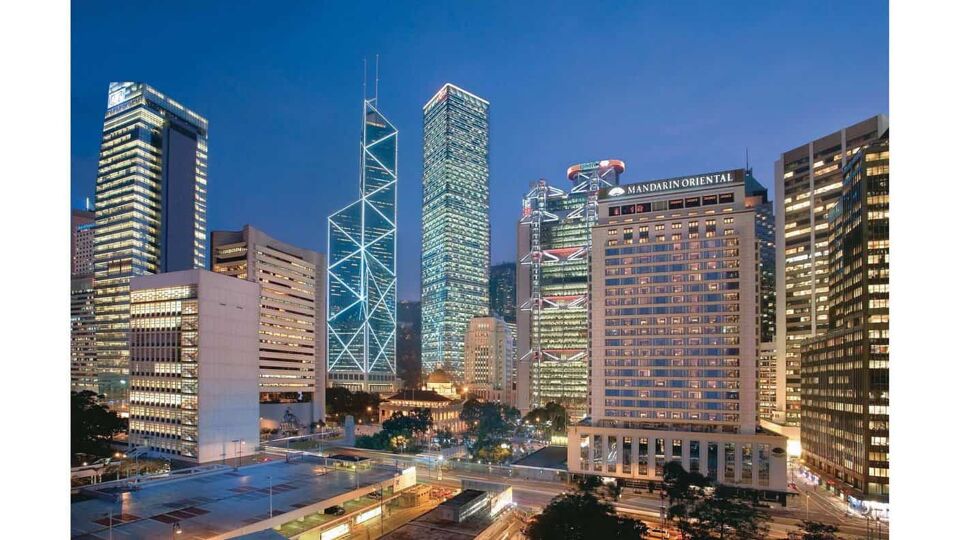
{"points": [[548, 457], [439, 377], [417, 395], [215, 504]]}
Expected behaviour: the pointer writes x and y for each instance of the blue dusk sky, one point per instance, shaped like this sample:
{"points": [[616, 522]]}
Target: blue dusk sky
{"points": [[671, 88]]}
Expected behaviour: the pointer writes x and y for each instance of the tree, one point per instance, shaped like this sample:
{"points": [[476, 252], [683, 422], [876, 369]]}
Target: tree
{"points": [[582, 515], [815, 530], [723, 515], [702, 512], [551, 418], [341, 402], [92, 425]]}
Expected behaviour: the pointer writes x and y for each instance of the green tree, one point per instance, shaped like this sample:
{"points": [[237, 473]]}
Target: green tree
{"points": [[341, 402], [92, 425], [551, 419], [815, 530], [723, 515], [581, 515]]}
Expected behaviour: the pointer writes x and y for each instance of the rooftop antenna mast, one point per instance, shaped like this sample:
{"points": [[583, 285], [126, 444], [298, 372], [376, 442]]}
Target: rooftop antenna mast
{"points": [[747, 150], [376, 80], [364, 78]]}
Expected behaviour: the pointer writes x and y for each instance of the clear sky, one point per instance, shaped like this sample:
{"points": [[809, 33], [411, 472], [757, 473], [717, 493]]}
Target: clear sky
{"points": [[671, 88]]}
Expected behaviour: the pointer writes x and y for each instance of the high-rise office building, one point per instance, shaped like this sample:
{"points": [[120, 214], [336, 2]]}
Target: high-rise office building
{"points": [[193, 365], [845, 422], [455, 264], [408, 343], [83, 353], [553, 245], [488, 354], [151, 212], [808, 182], [503, 291], [362, 269], [292, 331], [674, 332], [755, 197]]}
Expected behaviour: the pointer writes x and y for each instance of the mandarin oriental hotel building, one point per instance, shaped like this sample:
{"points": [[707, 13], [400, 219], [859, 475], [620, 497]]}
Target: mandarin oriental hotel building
{"points": [[674, 327]]}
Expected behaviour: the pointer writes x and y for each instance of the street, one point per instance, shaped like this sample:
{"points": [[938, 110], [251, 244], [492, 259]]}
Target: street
{"points": [[535, 495]]}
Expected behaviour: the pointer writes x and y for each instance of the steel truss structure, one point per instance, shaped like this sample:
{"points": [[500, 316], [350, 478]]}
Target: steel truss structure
{"points": [[361, 271], [558, 225]]}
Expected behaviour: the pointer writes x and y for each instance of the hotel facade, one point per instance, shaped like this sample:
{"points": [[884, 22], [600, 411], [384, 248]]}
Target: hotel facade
{"points": [[151, 213], [194, 365], [675, 331], [455, 258], [292, 330], [83, 351]]}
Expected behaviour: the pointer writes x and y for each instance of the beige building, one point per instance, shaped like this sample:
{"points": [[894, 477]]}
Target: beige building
{"points": [[674, 335], [193, 365], [809, 181], [488, 359], [444, 410], [292, 331]]}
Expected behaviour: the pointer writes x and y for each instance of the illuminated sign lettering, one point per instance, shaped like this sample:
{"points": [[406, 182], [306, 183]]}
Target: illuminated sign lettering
{"points": [[672, 184]]}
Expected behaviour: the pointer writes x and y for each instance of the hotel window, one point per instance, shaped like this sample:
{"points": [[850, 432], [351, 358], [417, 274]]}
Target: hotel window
{"points": [[659, 227], [709, 200], [729, 461], [659, 456], [642, 455], [675, 204], [712, 460], [612, 453], [726, 198], [676, 452], [627, 449], [694, 456], [746, 463]]}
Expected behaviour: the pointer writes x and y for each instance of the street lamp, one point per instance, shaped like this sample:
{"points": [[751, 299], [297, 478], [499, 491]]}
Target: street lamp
{"points": [[177, 529], [270, 480]]}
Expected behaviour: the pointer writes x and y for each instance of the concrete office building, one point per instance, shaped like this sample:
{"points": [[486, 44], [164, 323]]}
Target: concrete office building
{"points": [[83, 352], [845, 388], [674, 333], [808, 182], [553, 244], [362, 268], [194, 365], [292, 331], [455, 264], [488, 355], [151, 212]]}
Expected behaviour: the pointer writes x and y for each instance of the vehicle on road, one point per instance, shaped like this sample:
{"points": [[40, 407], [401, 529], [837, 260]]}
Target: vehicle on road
{"points": [[335, 511]]}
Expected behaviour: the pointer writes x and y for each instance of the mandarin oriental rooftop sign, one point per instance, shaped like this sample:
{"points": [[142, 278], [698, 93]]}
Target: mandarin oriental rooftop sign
{"points": [[674, 184]]}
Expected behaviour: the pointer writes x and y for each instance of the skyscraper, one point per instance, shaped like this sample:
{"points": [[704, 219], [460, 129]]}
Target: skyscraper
{"points": [[151, 212], [83, 353], [456, 223], [845, 419], [503, 291], [674, 332], [488, 359], [292, 331], [362, 270], [553, 245], [408, 343], [808, 182]]}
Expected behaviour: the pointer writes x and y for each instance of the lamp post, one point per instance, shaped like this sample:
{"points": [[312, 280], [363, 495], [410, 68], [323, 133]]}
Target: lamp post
{"points": [[270, 480], [177, 529]]}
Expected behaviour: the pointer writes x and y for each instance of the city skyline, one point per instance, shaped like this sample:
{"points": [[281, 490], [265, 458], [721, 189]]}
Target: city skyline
{"points": [[300, 120]]}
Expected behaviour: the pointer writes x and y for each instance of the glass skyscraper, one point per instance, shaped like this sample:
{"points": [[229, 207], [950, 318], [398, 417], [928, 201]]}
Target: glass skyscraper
{"points": [[151, 212], [362, 272], [455, 262]]}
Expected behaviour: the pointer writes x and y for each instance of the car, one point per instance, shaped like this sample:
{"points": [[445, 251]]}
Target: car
{"points": [[658, 534], [335, 511]]}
